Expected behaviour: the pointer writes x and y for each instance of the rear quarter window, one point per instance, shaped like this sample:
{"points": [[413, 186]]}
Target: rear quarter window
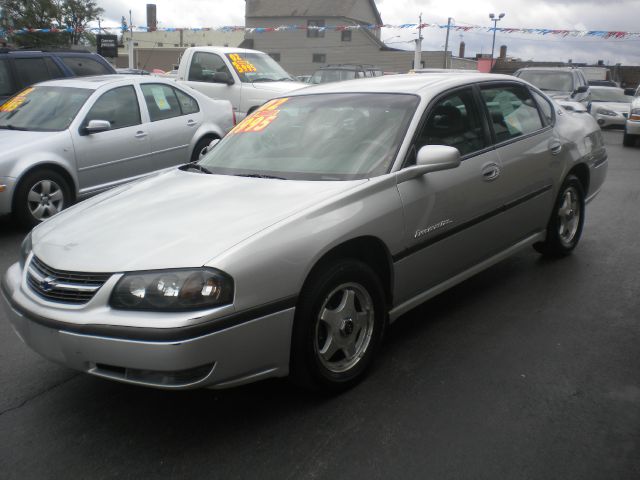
{"points": [[36, 69], [85, 66]]}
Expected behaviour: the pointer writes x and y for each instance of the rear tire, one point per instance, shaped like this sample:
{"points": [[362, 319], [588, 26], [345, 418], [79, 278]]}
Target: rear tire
{"points": [[565, 225], [629, 140], [40, 195], [339, 324], [200, 149]]}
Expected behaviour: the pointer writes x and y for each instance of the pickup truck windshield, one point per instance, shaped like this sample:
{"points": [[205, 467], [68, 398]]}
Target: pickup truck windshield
{"points": [[42, 109], [345, 136], [258, 67]]}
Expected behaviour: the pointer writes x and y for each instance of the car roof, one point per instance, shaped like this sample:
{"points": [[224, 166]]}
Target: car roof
{"points": [[98, 81], [405, 83], [225, 50], [549, 69], [604, 88]]}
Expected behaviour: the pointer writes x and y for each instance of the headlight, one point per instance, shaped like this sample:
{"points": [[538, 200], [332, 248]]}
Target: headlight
{"points": [[172, 290], [25, 250], [635, 114], [607, 112]]}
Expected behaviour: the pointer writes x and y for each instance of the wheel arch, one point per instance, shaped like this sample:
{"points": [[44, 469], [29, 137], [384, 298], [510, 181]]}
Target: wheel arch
{"points": [[582, 172], [56, 167], [368, 249]]}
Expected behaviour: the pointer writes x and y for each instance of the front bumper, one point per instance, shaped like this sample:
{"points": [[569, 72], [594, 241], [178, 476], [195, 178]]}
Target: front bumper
{"points": [[7, 187], [249, 350]]}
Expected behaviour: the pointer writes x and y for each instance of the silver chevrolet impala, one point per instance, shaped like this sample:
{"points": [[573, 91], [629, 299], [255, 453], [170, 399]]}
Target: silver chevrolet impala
{"points": [[296, 239]]}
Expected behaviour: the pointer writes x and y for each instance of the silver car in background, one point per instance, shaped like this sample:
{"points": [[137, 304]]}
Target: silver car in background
{"points": [[64, 140], [319, 219], [632, 126], [609, 106]]}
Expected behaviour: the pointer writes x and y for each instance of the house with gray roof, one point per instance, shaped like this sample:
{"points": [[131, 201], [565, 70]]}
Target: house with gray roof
{"points": [[303, 50]]}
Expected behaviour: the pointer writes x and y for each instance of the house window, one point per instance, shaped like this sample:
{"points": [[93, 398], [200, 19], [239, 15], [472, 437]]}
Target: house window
{"points": [[160, 44], [319, 58], [346, 35], [275, 56], [313, 32]]}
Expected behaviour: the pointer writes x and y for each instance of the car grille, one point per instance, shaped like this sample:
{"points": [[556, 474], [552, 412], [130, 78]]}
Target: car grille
{"points": [[61, 286]]}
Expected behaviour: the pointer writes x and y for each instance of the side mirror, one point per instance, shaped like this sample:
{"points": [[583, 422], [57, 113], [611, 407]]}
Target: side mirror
{"points": [[431, 158], [630, 91], [222, 77], [580, 89], [97, 126]]}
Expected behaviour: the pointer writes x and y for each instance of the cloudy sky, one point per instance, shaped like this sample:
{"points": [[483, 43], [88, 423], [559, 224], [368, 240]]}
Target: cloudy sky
{"points": [[615, 15]]}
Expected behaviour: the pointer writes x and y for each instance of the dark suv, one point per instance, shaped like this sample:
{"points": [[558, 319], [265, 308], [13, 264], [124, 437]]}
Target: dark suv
{"points": [[21, 68]]}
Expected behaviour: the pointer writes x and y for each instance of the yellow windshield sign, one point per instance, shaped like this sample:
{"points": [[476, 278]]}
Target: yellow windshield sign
{"points": [[261, 118], [16, 101], [242, 65]]}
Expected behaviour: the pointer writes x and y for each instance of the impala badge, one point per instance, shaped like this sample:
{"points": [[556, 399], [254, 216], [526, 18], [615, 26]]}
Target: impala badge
{"points": [[432, 228]]}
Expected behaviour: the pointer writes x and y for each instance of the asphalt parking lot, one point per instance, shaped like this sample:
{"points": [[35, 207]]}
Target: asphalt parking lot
{"points": [[530, 370]]}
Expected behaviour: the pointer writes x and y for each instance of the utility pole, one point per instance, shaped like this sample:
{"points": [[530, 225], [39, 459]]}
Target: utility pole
{"points": [[130, 49], [446, 43], [417, 58]]}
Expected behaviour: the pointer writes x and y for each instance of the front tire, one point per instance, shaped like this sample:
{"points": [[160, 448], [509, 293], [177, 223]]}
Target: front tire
{"points": [[200, 149], [566, 222], [40, 195], [339, 324]]}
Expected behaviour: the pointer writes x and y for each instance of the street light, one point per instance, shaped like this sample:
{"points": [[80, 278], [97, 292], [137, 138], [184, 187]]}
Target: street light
{"points": [[495, 21]]}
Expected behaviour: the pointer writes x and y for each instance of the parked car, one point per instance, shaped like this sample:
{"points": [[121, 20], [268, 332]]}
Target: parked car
{"points": [[632, 125], [338, 73], [609, 106], [247, 78], [22, 68], [562, 83], [64, 140], [289, 247]]}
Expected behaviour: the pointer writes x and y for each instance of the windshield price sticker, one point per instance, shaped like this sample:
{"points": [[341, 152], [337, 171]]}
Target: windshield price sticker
{"points": [[261, 118], [241, 65], [16, 101]]}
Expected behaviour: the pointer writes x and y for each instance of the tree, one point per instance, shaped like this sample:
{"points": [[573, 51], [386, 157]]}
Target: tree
{"points": [[77, 14], [18, 14], [62, 14]]}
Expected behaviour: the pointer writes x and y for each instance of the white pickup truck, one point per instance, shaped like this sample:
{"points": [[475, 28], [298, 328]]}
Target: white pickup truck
{"points": [[247, 78]]}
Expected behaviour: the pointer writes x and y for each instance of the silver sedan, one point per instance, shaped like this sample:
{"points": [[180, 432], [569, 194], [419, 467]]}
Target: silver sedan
{"points": [[65, 140], [317, 221]]}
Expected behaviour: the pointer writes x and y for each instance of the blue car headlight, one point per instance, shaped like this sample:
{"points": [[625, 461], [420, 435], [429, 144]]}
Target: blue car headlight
{"points": [[172, 290]]}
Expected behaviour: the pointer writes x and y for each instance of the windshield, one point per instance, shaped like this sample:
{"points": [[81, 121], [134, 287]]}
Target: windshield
{"points": [[257, 67], [317, 137], [548, 80], [327, 76], [43, 109], [609, 95]]}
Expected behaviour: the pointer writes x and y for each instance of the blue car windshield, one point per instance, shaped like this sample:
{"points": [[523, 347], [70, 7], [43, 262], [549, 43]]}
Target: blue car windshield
{"points": [[42, 109], [317, 137]]}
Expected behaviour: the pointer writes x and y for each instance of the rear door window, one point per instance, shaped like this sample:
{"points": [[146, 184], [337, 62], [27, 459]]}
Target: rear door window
{"points": [[512, 111], [85, 66], [6, 83], [161, 101], [34, 70]]}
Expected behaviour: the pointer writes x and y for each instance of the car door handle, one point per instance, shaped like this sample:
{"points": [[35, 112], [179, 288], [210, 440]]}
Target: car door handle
{"points": [[490, 172], [140, 134], [191, 123], [555, 148]]}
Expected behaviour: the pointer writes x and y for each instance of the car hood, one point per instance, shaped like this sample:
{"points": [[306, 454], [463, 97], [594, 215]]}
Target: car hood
{"points": [[172, 220], [619, 107], [279, 87], [14, 141]]}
